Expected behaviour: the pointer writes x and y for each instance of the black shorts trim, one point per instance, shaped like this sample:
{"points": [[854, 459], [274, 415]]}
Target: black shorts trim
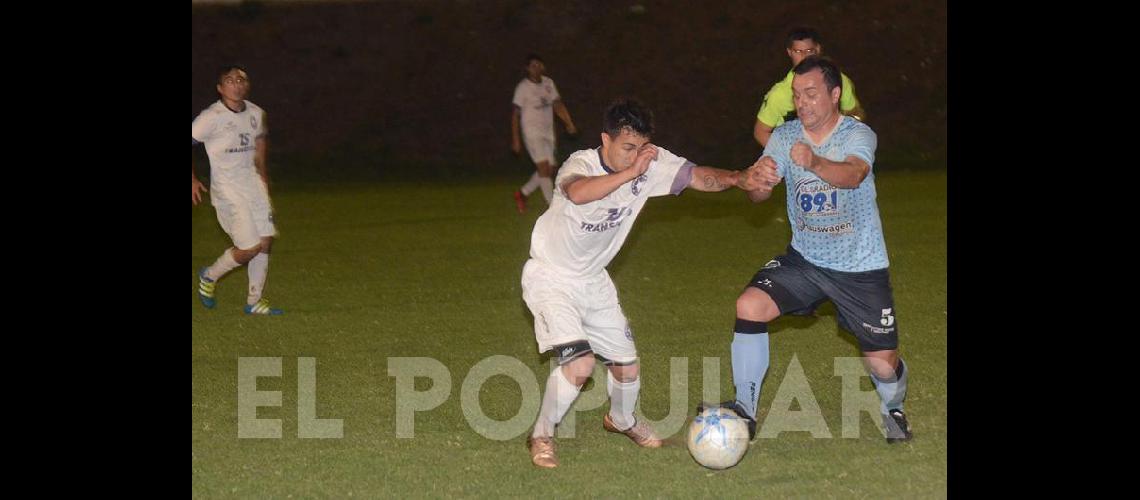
{"points": [[566, 353]]}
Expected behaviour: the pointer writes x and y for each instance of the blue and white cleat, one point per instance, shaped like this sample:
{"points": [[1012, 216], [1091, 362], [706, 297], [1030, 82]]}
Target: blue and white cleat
{"points": [[262, 307], [206, 290]]}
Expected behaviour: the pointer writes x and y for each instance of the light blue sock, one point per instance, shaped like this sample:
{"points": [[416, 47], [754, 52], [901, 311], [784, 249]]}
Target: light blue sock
{"points": [[892, 391], [749, 362]]}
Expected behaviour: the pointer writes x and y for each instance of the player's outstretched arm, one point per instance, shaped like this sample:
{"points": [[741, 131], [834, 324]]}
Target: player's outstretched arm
{"points": [[765, 176], [710, 179]]}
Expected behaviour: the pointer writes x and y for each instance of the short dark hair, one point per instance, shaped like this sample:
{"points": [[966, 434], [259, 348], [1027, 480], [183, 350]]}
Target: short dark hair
{"points": [[802, 33], [831, 74], [629, 113], [534, 57], [224, 70]]}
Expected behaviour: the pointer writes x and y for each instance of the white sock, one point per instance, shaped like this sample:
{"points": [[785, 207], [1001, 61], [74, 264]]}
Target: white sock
{"points": [[258, 269], [531, 185], [223, 265], [623, 398], [547, 185], [560, 394]]}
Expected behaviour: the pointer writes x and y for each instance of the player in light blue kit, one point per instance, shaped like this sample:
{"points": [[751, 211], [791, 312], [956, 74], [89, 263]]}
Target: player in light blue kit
{"points": [[837, 251]]}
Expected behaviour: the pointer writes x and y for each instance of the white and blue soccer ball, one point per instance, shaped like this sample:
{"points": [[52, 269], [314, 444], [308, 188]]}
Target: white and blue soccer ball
{"points": [[718, 438]]}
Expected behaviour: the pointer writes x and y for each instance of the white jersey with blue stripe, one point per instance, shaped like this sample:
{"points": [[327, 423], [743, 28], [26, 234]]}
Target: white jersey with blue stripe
{"points": [[581, 240], [230, 138], [832, 227]]}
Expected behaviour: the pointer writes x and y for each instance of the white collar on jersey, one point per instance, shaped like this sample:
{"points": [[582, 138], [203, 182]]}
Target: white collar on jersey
{"points": [[602, 160], [829, 132]]}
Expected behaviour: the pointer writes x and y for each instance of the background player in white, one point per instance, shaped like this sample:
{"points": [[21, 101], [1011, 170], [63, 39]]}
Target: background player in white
{"points": [[565, 284], [837, 251], [535, 97], [233, 130]]}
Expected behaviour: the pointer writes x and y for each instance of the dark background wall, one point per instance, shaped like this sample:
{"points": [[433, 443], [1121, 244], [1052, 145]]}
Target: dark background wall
{"points": [[369, 88]]}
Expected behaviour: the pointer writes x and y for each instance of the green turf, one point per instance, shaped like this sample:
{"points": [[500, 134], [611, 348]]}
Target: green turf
{"points": [[369, 272]]}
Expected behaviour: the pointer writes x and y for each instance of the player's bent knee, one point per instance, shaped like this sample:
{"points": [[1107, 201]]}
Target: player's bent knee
{"points": [[578, 370], [626, 373], [244, 255], [755, 305], [881, 363], [882, 371]]}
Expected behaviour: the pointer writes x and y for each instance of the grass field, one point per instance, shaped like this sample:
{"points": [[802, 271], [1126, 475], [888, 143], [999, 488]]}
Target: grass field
{"points": [[370, 272]]}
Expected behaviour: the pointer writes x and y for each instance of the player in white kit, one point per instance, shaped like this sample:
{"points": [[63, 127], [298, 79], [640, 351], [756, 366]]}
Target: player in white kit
{"points": [[233, 131], [576, 310], [534, 104]]}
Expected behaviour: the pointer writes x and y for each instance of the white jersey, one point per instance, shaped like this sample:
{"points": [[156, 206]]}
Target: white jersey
{"points": [[581, 240], [229, 138], [536, 105]]}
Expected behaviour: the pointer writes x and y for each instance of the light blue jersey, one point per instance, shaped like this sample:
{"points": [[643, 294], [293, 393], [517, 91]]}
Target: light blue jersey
{"points": [[831, 227]]}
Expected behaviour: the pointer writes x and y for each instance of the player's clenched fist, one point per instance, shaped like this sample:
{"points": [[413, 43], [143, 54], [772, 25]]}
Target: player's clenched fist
{"points": [[802, 155]]}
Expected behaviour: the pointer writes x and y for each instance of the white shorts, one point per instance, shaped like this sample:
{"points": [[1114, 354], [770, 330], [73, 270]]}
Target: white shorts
{"points": [[246, 216], [541, 148], [569, 310]]}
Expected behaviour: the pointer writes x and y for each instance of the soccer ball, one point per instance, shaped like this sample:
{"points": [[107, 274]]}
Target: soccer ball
{"points": [[718, 438]]}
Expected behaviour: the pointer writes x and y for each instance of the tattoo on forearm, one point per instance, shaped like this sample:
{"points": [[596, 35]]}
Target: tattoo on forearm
{"points": [[713, 183]]}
